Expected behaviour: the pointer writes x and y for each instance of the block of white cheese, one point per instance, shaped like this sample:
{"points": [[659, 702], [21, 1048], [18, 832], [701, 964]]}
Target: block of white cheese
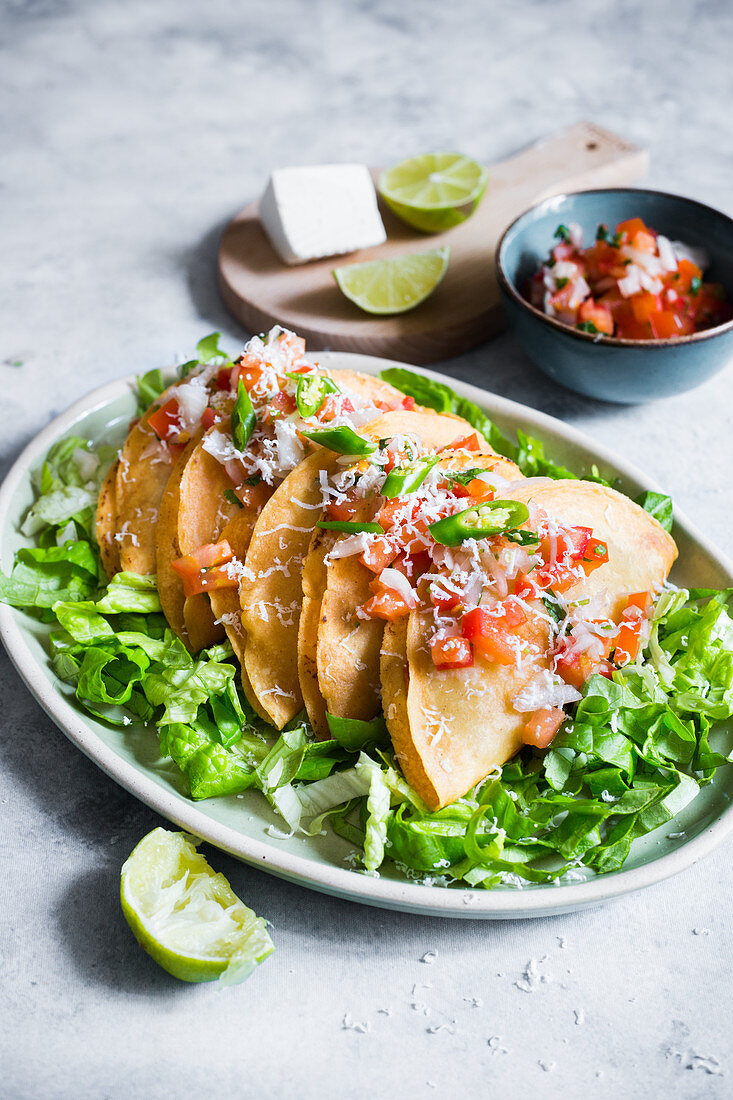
{"points": [[321, 210]]}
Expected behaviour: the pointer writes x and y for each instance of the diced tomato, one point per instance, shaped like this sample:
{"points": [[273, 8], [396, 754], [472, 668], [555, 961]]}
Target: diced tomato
{"points": [[628, 328], [575, 668], [249, 368], [200, 570], [686, 272], [465, 443], [208, 418], [597, 315], [282, 404], [397, 511], [614, 300], [642, 600], [665, 323], [595, 554], [451, 653], [490, 631], [480, 490], [542, 727], [408, 402], [524, 587], [394, 456], [631, 227], [628, 639], [571, 543], [224, 378], [166, 421], [644, 241], [343, 510], [412, 538], [253, 496], [599, 259], [643, 305], [386, 605], [332, 406], [379, 554], [414, 565], [441, 598], [627, 642], [211, 553], [561, 304]]}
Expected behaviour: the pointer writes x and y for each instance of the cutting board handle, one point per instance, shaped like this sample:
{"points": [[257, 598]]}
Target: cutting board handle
{"points": [[580, 158]]}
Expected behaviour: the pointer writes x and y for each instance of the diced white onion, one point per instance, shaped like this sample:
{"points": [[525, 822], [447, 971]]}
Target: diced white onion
{"points": [[667, 258], [631, 282], [392, 578], [192, 398]]}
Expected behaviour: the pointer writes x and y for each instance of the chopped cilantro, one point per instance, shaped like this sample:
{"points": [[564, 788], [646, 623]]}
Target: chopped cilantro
{"points": [[563, 234], [587, 326], [560, 283], [695, 284]]}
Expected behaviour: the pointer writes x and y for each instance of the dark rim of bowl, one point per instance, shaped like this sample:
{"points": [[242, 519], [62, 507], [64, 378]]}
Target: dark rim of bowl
{"points": [[592, 337]]}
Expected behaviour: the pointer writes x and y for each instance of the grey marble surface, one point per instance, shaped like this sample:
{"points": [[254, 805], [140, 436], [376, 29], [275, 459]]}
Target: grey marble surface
{"points": [[131, 132]]}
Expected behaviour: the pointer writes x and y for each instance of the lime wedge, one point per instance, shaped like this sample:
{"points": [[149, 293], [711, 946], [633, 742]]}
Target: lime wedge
{"points": [[186, 916], [434, 191], [396, 285]]}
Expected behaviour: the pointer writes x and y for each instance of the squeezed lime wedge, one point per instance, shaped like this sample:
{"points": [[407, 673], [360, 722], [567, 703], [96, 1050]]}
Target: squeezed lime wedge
{"points": [[396, 285], [434, 191], [186, 916]]}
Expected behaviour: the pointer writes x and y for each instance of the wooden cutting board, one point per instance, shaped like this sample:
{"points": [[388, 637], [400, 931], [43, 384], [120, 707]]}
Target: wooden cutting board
{"points": [[464, 310]]}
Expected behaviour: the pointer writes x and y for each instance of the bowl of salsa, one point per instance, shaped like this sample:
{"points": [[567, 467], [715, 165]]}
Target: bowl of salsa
{"points": [[621, 294]]}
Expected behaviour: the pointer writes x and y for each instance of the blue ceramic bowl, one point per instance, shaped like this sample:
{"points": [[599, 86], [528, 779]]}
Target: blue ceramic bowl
{"points": [[623, 371]]}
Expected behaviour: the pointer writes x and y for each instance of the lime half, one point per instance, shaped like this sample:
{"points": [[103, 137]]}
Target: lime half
{"points": [[396, 285], [186, 916], [434, 191]]}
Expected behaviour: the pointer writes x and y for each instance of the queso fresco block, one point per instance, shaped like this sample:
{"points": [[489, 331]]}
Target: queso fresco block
{"points": [[321, 210]]}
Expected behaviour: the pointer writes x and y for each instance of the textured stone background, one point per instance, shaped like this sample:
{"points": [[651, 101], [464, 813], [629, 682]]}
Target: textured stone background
{"points": [[131, 132]]}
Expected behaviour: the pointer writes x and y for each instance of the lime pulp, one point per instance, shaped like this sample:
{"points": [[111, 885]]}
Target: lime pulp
{"points": [[186, 916]]}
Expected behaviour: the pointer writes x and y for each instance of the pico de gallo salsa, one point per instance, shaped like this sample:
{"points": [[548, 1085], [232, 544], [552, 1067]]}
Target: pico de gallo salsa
{"points": [[632, 283]]}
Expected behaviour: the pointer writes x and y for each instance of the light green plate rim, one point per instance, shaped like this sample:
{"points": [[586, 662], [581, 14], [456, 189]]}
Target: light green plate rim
{"points": [[239, 825]]}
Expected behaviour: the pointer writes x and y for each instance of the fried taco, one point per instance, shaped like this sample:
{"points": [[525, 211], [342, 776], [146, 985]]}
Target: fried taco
{"points": [[352, 595], [254, 420], [130, 499], [271, 591], [559, 593]]}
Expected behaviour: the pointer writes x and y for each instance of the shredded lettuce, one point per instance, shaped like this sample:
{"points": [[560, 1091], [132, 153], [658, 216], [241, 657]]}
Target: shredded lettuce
{"points": [[634, 752]]}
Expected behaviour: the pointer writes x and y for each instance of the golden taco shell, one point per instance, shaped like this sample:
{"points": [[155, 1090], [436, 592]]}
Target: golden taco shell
{"points": [[455, 726]]}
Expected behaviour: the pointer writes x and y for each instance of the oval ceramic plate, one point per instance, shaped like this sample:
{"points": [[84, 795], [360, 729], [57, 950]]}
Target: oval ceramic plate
{"points": [[240, 824]]}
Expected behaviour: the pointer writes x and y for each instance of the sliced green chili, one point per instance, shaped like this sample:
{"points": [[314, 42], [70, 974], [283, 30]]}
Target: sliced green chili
{"points": [[311, 392], [243, 418], [343, 440], [406, 479], [351, 527], [491, 518]]}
